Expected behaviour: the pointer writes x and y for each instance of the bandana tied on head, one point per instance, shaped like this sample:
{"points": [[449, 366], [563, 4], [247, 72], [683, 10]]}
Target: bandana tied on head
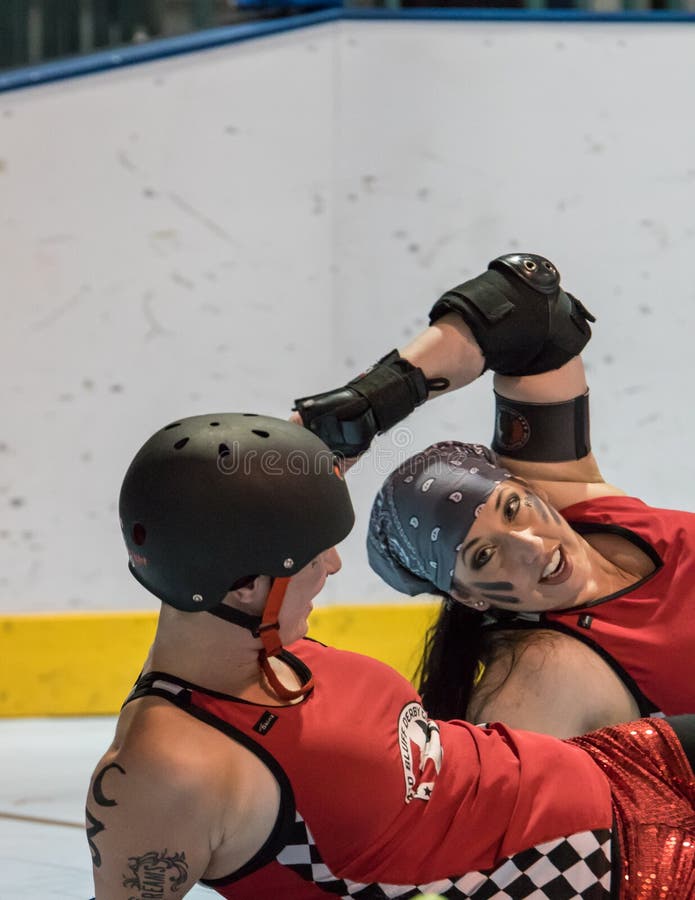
{"points": [[423, 512]]}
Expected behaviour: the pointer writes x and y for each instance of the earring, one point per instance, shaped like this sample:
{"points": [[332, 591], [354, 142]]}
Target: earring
{"points": [[479, 604]]}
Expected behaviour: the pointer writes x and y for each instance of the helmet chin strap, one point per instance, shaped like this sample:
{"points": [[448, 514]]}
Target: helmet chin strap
{"points": [[267, 628], [269, 633]]}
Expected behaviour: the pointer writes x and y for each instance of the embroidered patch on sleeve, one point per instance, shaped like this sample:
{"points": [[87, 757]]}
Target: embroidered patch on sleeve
{"points": [[421, 752]]}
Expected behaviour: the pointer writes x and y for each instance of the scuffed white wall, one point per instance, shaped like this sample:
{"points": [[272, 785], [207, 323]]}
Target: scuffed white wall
{"points": [[230, 229], [464, 140], [166, 236]]}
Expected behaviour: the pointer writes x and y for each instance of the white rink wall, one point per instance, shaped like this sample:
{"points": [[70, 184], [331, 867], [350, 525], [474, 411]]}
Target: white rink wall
{"points": [[229, 229]]}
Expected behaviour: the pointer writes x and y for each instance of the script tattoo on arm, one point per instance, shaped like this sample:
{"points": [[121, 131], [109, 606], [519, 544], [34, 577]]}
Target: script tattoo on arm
{"points": [[95, 826], [151, 872]]}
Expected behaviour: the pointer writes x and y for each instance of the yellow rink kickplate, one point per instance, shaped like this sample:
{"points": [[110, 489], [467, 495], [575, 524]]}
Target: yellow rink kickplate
{"points": [[85, 663]]}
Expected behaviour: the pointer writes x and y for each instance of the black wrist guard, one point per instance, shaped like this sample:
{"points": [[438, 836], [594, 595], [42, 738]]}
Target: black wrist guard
{"points": [[521, 318], [347, 419], [542, 432]]}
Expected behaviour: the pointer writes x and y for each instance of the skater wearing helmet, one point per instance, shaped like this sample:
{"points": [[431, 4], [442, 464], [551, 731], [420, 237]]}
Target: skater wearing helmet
{"points": [[265, 765]]}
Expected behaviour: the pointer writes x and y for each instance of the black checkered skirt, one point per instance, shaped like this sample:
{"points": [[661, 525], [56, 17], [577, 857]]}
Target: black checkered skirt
{"points": [[574, 867]]}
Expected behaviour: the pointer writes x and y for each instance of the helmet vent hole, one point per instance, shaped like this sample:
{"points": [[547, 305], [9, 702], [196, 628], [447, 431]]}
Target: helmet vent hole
{"points": [[260, 433], [250, 415], [180, 444], [214, 424], [223, 450], [173, 425], [139, 534]]}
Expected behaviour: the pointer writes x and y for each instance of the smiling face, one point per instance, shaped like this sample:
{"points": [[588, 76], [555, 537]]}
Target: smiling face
{"points": [[520, 554]]}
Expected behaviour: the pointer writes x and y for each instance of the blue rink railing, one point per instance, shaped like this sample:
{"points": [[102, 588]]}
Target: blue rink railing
{"points": [[258, 18]]}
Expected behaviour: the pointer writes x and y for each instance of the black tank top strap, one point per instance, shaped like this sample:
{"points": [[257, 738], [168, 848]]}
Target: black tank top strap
{"points": [[180, 693], [284, 824], [159, 684]]}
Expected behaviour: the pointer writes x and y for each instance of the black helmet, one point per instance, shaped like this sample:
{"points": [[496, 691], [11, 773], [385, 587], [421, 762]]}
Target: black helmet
{"points": [[211, 499]]}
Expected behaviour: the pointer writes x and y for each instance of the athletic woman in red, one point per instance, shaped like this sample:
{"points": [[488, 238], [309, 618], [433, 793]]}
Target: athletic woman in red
{"points": [[269, 766], [565, 601]]}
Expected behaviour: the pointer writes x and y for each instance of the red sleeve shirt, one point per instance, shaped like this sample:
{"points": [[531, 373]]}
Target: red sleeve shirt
{"points": [[390, 796]]}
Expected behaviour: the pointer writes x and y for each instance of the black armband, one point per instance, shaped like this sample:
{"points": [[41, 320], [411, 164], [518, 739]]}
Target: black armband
{"points": [[542, 432], [522, 319], [347, 419]]}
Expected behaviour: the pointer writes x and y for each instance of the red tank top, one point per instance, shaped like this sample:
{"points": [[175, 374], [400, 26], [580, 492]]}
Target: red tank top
{"points": [[649, 630], [374, 792]]}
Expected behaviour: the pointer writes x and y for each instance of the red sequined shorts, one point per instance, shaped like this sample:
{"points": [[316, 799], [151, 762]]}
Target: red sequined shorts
{"points": [[653, 789]]}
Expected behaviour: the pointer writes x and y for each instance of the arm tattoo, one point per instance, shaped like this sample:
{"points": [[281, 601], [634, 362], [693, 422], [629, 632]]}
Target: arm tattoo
{"points": [[151, 872], [95, 826], [97, 790]]}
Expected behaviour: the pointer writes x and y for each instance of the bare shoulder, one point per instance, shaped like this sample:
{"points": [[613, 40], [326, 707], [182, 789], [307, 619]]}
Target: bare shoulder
{"points": [[171, 781], [174, 756], [155, 740], [544, 680]]}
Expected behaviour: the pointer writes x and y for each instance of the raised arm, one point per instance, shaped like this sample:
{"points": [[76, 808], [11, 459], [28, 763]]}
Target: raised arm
{"points": [[541, 429], [554, 409], [514, 319]]}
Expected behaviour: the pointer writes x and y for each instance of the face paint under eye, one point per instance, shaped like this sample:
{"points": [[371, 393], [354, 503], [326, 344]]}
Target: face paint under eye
{"points": [[502, 598], [544, 510], [494, 585], [537, 504], [554, 515], [486, 588]]}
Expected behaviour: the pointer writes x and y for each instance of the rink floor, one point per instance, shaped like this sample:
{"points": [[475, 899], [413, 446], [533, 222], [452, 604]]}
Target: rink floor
{"points": [[45, 765]]}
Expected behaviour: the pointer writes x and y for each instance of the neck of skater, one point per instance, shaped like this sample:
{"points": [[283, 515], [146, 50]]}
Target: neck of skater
{"points": [[614, 566], [214, 654]]}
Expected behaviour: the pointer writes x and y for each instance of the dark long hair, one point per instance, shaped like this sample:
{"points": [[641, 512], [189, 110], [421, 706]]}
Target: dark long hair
{"points": [[454, 645]]}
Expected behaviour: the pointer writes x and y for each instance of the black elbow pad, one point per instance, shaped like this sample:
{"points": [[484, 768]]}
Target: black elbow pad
{"points": [[521, 318]]}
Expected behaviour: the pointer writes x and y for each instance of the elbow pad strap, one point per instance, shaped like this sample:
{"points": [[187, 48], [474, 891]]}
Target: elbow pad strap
{"points": [[542, 432]]}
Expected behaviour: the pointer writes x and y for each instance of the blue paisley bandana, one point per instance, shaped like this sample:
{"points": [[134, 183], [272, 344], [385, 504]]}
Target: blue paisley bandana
{"points": [[423, 512]]}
